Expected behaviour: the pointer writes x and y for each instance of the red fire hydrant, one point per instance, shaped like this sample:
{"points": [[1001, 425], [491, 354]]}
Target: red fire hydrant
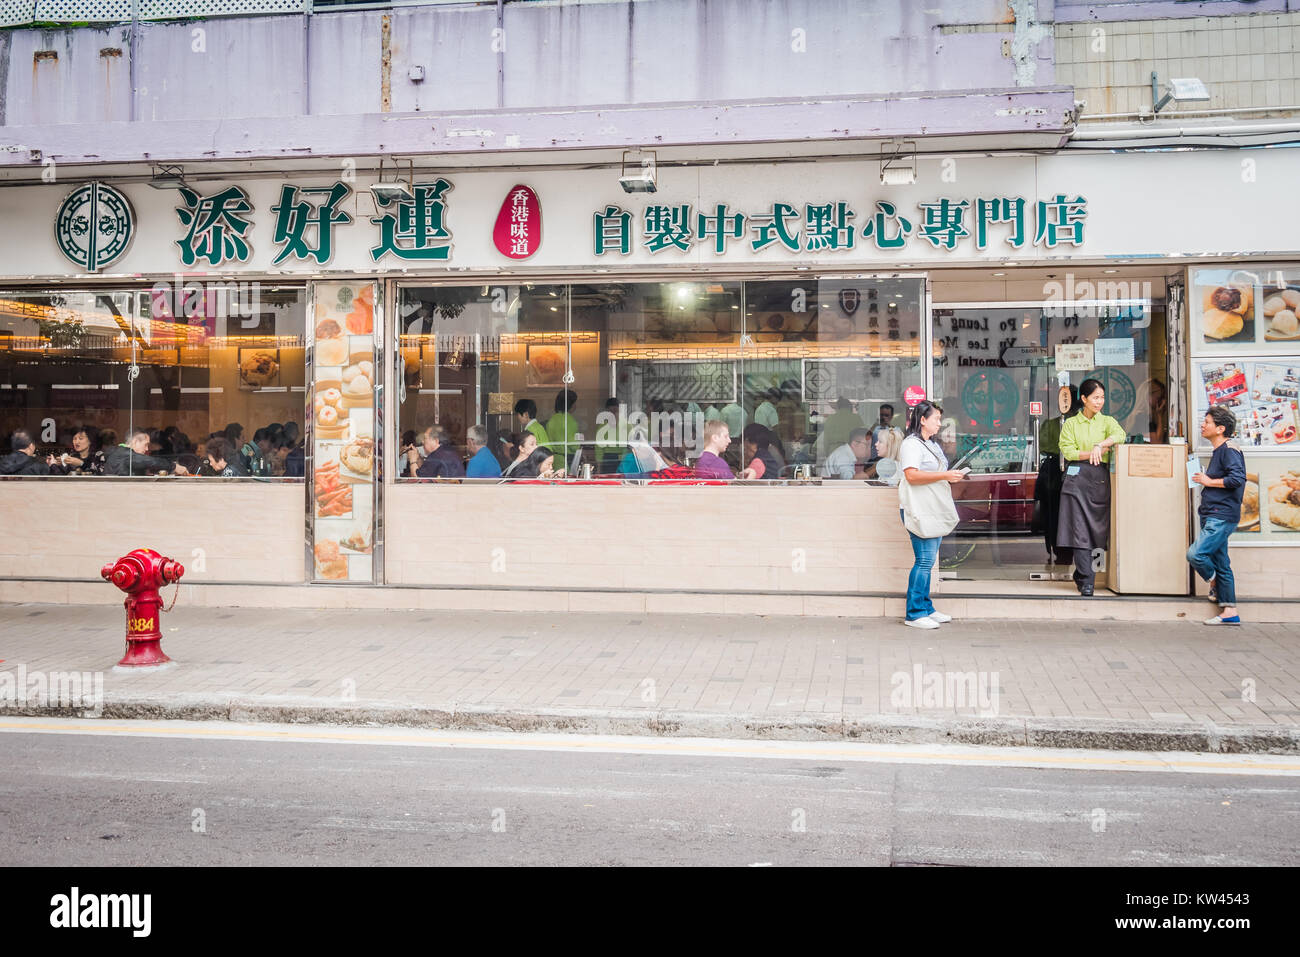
{"points": [[140, 574]]}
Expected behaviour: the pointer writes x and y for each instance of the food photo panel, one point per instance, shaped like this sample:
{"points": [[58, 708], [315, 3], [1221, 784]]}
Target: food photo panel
{"points": [[1279, 488], [1280, 308], [1261, 394], [334, 498], [1223, 308], [1238, 310], [343, 417]]}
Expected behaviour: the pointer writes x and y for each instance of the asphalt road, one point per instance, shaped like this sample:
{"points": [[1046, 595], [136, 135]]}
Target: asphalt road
{"points": [[195, 794]]}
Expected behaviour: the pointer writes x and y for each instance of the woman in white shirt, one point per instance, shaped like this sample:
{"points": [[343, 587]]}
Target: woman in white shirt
{"points": [[922, 462]]}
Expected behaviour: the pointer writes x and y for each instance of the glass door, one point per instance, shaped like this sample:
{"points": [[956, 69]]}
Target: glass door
{"points": [[996, 374]]}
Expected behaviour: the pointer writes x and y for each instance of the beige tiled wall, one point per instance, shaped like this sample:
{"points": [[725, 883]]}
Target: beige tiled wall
{"points": [[1265, 572], [690, 538], [70, 528], [785, 542], [1250, 61], [791, 539]]}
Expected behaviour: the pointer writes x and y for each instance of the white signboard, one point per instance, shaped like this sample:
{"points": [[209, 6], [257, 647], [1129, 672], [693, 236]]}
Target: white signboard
{"points": [[825, 214], [1114, 352], [1074, 357]]}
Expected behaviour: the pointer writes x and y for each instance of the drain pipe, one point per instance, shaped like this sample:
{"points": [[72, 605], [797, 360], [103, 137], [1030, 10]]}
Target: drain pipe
{"points": [[1193, 114]]}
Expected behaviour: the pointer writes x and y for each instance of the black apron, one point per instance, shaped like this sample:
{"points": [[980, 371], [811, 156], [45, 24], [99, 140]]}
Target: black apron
{"points": [[1085, 507], [1047, 493]]}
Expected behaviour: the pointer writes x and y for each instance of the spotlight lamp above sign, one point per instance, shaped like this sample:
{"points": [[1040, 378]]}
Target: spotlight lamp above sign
{"points": [[638, 172]]}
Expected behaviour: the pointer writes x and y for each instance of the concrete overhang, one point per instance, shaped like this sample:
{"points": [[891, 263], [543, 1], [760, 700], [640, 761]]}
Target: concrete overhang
{"points": [[971, 120]]}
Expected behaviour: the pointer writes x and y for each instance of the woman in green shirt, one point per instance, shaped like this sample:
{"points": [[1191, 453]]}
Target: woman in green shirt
{"points": [[1086, 440]]}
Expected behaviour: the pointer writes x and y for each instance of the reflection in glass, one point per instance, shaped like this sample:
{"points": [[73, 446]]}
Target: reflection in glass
{"points": [[181, 364], [990, 363], [620, 380]]}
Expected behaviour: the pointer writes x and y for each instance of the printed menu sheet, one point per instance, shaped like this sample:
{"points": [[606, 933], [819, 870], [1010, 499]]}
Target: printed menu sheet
{"points": [[1263, 394]]}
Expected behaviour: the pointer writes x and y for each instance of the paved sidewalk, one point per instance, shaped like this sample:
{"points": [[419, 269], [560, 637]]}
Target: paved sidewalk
{"points": [[1145, 686]]}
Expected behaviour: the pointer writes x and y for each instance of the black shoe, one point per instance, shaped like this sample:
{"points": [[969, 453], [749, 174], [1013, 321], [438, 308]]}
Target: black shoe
{"points": [[1085, 591]]}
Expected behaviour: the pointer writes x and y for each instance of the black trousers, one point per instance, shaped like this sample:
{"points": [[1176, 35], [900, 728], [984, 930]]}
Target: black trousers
{"points": [[1083, 572]]}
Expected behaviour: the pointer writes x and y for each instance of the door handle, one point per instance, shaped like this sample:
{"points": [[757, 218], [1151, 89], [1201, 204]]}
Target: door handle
{"points": [[1013, 481]]}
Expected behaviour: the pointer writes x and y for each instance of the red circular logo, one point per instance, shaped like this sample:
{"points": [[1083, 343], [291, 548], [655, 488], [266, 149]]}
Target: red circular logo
{"points": [[913, 395]]}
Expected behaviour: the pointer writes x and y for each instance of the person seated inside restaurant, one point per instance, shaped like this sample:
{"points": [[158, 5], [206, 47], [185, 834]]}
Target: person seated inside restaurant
{"points": [[257, 454], [885, 467], [132, 458], [295, 462], [848, 460], [526, 413], [235, 436], [482, 463], [761, 462], [205, 470], [716, 439], [441, 460], [279, 459], [83, 456], [22, 458], [523, 445], [539, 464], [221, 459]]}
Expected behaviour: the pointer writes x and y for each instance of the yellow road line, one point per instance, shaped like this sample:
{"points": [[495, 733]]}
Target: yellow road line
{"points": [[760, 748]]}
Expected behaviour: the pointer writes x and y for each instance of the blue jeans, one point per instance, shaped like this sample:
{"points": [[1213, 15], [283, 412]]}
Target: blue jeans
{"points": [[926, 553], [1209, 556]]}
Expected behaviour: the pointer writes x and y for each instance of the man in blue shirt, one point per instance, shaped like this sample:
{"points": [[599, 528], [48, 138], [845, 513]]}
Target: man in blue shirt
{"points": [[482, 463], [1223, 483]]}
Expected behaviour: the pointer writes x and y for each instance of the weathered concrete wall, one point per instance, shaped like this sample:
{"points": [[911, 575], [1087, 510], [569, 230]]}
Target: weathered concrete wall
{"points": [[65, 76], [547, 54]]}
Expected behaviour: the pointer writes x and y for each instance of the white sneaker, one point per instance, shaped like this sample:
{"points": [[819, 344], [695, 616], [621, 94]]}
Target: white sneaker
{"points": [[940, 617], [921, 622]]}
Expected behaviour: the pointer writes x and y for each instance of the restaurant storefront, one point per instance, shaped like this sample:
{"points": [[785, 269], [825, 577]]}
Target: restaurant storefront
{"points": [[317, 332]]}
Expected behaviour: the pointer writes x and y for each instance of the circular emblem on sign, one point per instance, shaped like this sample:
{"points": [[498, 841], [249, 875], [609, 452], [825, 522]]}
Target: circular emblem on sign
{"points": [[913, 395], [990, 399], [1121, 395], [94, 226]]}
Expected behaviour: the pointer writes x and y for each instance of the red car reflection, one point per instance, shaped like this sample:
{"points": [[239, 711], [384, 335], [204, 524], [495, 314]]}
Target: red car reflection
{"points": [[997, 497]]}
